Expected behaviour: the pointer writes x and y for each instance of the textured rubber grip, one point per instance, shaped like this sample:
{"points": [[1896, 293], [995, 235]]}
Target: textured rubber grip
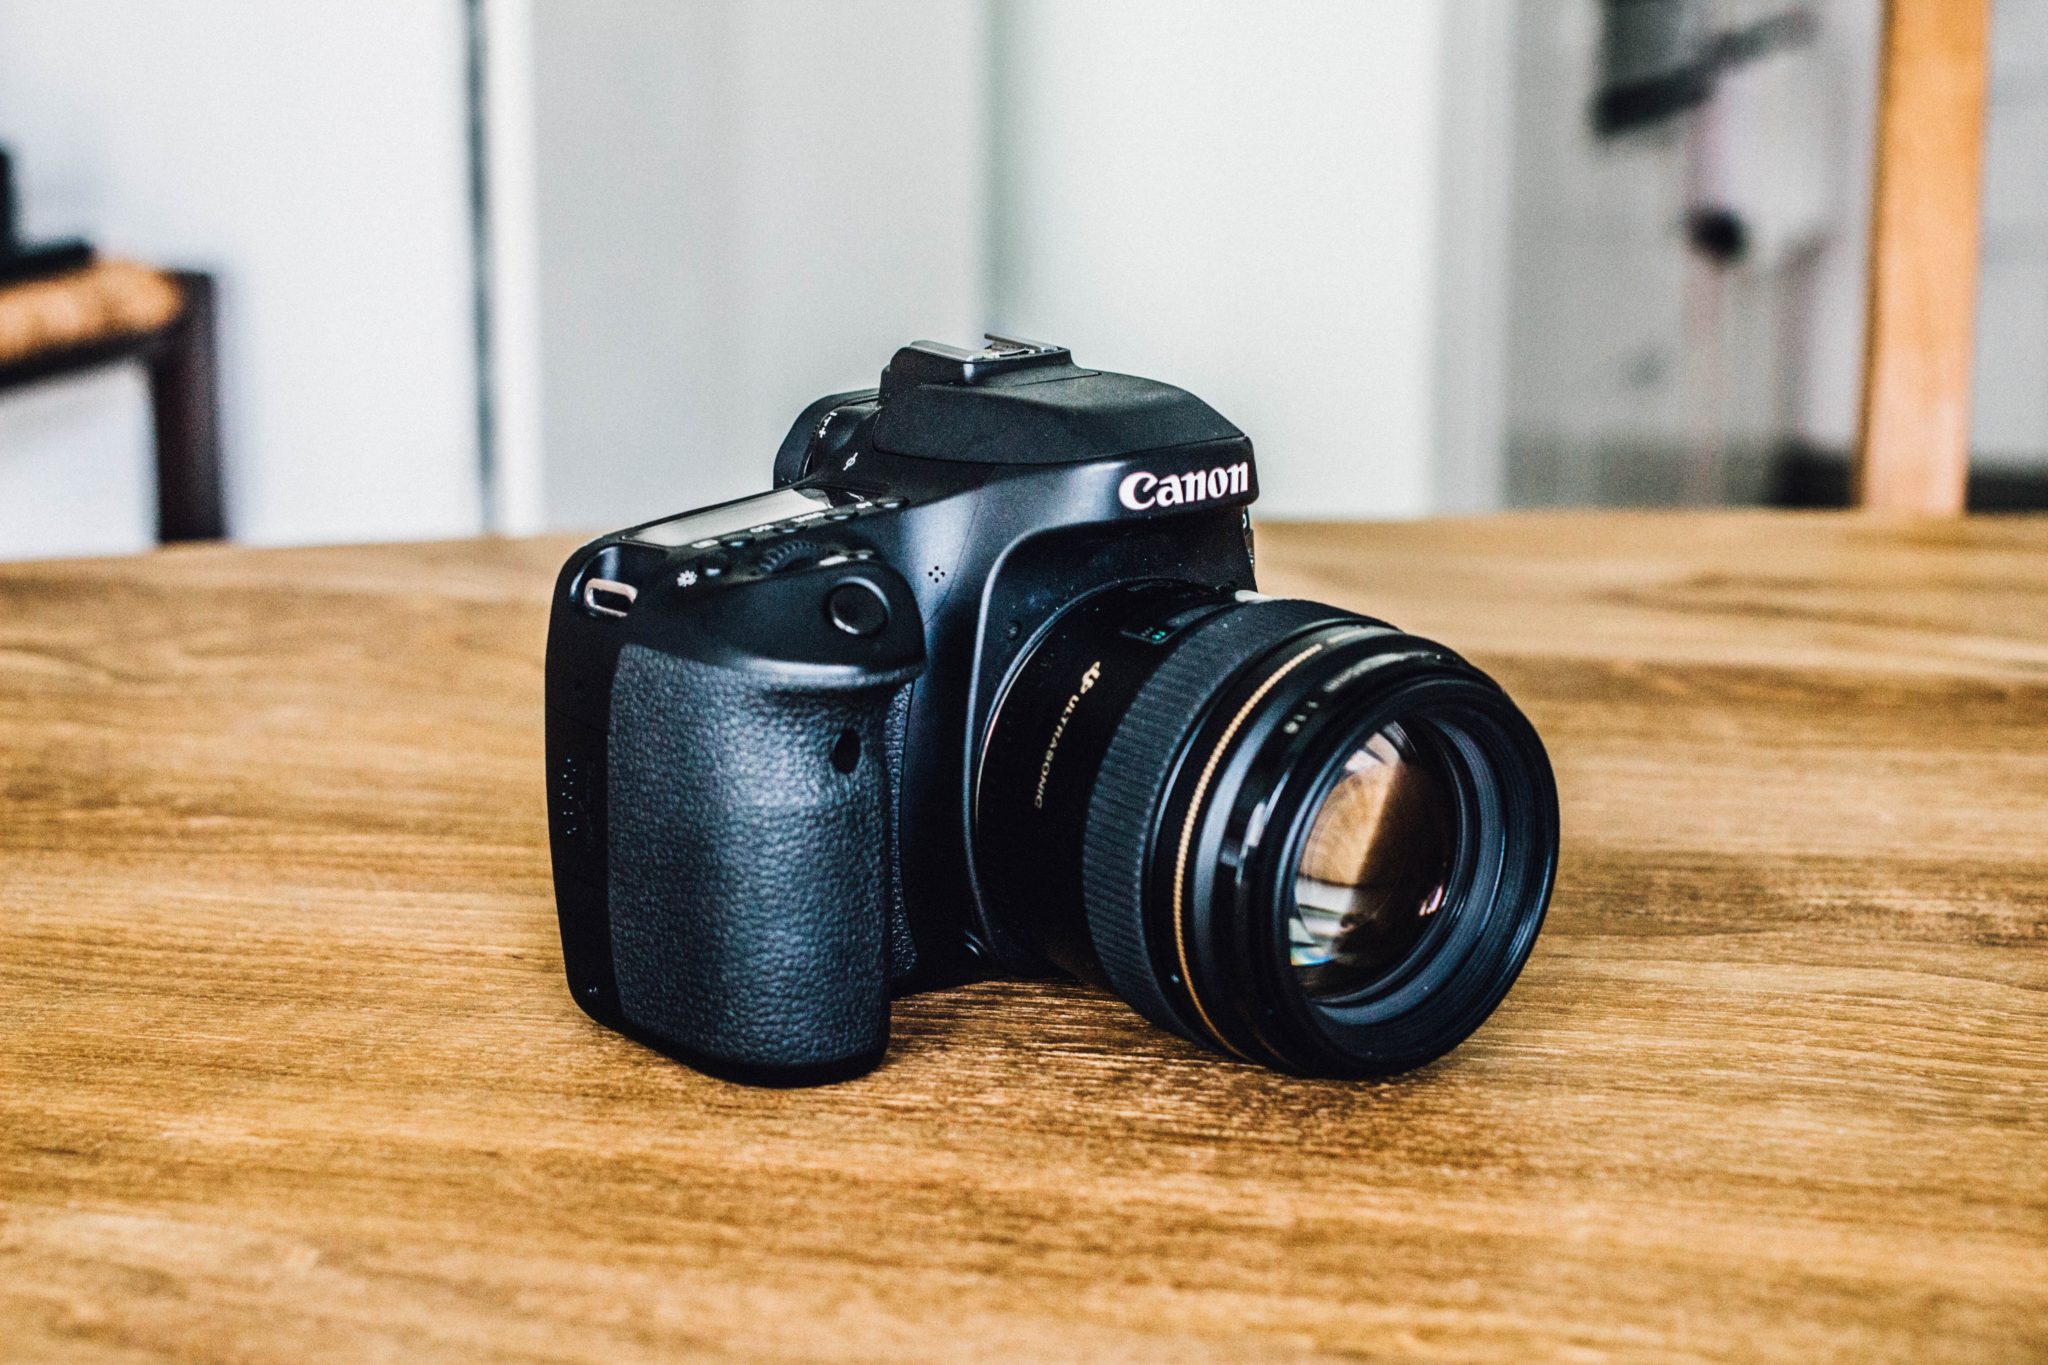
{"points": [[1136, 770], [750, 884]]}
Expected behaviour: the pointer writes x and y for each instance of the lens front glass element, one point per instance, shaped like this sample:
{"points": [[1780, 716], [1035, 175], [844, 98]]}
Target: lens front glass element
{"points": [[1375, 869]]}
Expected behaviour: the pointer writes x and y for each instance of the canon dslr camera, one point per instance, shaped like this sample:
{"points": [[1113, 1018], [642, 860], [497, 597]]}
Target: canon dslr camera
{"points": [[983, 688]]}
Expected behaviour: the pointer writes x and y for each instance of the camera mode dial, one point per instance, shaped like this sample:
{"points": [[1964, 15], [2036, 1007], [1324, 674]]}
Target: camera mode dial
{"points": [[783, 553]]}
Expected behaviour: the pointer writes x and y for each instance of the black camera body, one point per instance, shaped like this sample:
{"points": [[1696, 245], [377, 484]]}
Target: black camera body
{"points": [[779, 793]]}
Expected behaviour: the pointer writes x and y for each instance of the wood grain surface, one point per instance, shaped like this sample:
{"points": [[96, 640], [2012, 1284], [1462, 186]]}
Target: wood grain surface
{"points": [[288, 1070]]}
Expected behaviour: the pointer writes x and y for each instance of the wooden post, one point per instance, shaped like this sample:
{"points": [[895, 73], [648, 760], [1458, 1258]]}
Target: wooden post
{"points": [[1914, 451]]}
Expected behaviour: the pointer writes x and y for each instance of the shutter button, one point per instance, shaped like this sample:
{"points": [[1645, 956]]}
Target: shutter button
{"points": [[857, 608]]}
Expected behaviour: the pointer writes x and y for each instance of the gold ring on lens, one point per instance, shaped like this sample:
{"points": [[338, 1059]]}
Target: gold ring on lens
{"points": [[1181, 910]]}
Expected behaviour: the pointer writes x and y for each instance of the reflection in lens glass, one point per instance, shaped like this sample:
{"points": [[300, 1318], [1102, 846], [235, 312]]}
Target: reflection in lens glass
{"points": [[1374, 869]]}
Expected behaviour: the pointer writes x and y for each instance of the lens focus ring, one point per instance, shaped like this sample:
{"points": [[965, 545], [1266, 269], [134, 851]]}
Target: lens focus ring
{"points": [[1136, 769]]}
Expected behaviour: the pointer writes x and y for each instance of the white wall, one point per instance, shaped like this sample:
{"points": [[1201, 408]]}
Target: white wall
{"points": [[743, 204], [1830, 311], [1475, 150], [1239, 199], [709, 213], [1640, 371], [75, 470], [311, 154], [2009, 415]]}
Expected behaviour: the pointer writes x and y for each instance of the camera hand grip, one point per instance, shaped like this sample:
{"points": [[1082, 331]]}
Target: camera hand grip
{"points": [[750, 878]]}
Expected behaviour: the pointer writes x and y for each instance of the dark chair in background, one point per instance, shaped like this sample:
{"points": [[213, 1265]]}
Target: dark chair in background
{"points": [[63, 312], [111, 313]]}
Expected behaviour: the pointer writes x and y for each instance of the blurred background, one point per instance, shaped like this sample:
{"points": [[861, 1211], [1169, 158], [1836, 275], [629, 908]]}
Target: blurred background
{"points": [[518, 265]]}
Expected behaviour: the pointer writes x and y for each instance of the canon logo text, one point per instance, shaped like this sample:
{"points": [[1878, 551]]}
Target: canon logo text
{"points": [[1141, 490]]}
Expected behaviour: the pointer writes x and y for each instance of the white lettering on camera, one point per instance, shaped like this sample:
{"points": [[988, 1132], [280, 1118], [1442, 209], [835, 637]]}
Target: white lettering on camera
{"points": [[1088, 680], [1141, 490]]}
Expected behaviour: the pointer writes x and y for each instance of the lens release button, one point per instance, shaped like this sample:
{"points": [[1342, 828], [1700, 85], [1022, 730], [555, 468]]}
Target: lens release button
{"points": [[857, 609]]}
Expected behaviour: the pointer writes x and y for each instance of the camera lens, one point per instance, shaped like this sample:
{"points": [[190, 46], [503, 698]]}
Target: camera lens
{"points": [[1285, 831]]}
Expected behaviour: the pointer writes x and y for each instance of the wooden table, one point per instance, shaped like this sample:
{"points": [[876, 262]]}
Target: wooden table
{"points": [[289, 1071]]}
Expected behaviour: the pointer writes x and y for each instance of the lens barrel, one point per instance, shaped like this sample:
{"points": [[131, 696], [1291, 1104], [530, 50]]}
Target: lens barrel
{"points": [[1287, 832]]}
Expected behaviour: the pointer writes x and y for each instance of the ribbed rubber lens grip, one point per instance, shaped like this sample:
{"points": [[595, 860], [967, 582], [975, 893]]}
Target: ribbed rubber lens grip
{"points": [[1123, 811]]}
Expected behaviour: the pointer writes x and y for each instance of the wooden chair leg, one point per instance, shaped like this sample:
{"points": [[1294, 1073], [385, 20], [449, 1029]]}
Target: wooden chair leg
{"points": [[183, 388], [1914, 453]]}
